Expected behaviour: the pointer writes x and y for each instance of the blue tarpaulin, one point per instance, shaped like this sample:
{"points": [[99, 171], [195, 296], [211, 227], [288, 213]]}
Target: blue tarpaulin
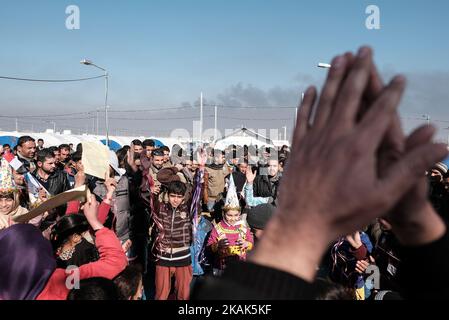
{"points": [[11, 140], [113, 145]]}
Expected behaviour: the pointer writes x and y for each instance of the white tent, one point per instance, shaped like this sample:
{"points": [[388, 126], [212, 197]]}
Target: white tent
{"points": [[243, 137]]}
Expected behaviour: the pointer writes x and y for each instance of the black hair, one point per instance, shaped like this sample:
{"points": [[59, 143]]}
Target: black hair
{"points": [[136, 142], [127, 281], [40, 139], [44, 154], [79, 147], [24, 139], [122, 155], [165, 148], [68, 225], [148, 143], [328, 290], [6, 145], [53, 149], [64, 146], [95, 289], [177, 187], [158, 152], [77, 156], [216, 152]]}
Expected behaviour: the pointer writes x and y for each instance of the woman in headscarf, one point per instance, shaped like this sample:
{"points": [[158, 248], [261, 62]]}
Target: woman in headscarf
{"points": [[9, 197], [28, 266]]}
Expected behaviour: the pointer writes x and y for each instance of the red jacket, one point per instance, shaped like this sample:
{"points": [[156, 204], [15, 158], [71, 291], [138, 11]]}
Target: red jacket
{"points": [[112, 261], [103, 209]]}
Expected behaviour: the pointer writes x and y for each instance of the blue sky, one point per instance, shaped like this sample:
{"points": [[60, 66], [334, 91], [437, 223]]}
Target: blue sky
{"points": [[163, 53]]}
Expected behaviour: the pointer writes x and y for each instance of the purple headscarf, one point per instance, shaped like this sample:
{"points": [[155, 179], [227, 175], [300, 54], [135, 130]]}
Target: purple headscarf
{"points": [[26, 262]]}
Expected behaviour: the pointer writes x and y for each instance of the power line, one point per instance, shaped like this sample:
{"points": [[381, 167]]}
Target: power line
{"points": [[157, 119], [248, 107], [50, 80]]}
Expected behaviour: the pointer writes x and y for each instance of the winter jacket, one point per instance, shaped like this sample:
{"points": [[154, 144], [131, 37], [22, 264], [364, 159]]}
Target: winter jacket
{"points": [[215, 180], [264, 186], [174, 238], [56, 183], [120, 206], [112, 261]]}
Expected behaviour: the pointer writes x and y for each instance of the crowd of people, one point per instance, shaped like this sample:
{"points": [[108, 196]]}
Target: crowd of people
{"points": [[345, 214]]}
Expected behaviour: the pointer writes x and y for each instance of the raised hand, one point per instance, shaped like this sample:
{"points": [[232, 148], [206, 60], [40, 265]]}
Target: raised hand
{"points": [[332, 184], [250, 176]]}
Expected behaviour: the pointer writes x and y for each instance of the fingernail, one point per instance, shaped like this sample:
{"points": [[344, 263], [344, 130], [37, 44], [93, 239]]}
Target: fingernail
{"points": [[363, 52], [400, 79]]}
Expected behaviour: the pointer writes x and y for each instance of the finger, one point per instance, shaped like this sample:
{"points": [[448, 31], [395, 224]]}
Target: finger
{"points": [[328, 94], [349, 97], [420, 136], [304, 115], [406, 172], [375, 83], [377, 120]]}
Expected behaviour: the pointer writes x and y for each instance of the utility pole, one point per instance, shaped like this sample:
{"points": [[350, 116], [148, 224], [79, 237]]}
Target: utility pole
{"points": [[17, 125], [215, 122], [97, 122], [201, 117]]}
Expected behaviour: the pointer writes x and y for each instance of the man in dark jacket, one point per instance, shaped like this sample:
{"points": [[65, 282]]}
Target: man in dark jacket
{"points": [[54, 181], [26, 151], [267, 182]]}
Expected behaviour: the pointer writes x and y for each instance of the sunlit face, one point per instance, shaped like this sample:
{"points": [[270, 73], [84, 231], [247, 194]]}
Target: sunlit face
{"points": [[57, 155], [148, 151], [175, 199], [219, 158], [79, 165], [48, 166], [232, 217], [18, 178], [28, 149], [195, 165], [243, 167], [64, 154], [158, 161], [166, 156], [273, 167], [6, 149], [6, 205], [138, 149]]}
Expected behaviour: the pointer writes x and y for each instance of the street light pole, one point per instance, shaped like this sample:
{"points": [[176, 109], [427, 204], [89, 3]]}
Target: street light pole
{"points": [[215, 123], [106, 89], [201, 117]]}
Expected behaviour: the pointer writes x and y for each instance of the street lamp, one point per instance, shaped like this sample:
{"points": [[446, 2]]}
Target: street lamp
{"points": [[106, 88], [324, 65]]}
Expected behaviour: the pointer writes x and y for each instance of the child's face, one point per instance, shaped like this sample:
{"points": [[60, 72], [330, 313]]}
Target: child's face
{"points": [[175, 199], [6, 204], [232, 217]]}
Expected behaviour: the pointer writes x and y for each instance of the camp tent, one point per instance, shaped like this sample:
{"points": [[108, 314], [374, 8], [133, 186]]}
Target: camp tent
{"points": [[243, 137]]}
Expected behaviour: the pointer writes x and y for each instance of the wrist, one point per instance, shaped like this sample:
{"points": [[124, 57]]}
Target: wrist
{"points": [[108, 197], [96, 225], [297, 252]]}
